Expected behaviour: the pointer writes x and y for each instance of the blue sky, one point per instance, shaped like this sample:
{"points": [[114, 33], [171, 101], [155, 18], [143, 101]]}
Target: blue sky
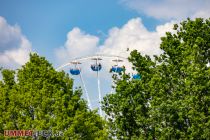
{"points": [[46, 23], [61, 30]]}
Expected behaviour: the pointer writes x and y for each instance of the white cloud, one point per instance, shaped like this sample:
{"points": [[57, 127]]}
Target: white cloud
{"points": [[132, 35], [78, 44], [171, 9], [14, 46]]}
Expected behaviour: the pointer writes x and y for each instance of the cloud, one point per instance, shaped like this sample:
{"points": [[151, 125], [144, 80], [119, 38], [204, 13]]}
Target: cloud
{"points": [[170, 9], [14, 46], [135, 36], [132, 35], [78, 43]]}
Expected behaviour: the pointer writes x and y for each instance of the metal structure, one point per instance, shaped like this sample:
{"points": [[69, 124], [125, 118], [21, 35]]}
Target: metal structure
{"points": [[96, 67]]}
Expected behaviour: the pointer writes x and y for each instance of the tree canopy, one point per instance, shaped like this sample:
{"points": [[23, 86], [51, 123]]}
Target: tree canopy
{"points": [[37, 97], [172, 99]]}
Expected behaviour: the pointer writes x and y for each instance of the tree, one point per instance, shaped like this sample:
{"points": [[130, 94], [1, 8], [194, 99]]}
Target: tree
{"points": [[40, 98], [172, 99]]}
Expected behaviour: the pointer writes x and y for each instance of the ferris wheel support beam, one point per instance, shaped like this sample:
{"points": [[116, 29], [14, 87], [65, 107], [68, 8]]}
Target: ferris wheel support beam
{"points": [[98, 76], [99, 93], [85, 89]]}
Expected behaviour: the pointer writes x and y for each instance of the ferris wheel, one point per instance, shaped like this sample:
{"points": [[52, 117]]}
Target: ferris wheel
{"points": [[75, 69]]}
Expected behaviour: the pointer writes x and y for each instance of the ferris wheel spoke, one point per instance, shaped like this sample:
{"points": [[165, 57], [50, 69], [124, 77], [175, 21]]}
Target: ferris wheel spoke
{"points": [[99, 93], [96, 67], [86, 92]]}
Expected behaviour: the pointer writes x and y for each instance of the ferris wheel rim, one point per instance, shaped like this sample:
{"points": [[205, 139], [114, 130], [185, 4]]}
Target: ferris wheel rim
{"points": [[96, 56]]}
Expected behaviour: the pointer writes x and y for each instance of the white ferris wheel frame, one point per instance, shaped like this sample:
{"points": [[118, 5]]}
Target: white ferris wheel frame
{"points": [[90, 57]]}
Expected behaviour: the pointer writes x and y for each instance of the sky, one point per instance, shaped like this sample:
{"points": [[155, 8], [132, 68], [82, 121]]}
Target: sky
{"points": [[65, 29]]}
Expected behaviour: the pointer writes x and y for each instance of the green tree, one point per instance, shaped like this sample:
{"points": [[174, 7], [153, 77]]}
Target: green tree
{"points": [[40, 98], [172, 99]]}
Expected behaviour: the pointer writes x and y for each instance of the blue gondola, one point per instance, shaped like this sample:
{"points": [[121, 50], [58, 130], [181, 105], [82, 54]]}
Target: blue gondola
{"points": [[137, 76], [75, 71], [96, 67], [117, 69]]}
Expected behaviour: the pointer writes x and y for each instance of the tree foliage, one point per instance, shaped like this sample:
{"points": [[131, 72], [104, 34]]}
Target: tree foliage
{"points": [[172, 99], [40, 98]]}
